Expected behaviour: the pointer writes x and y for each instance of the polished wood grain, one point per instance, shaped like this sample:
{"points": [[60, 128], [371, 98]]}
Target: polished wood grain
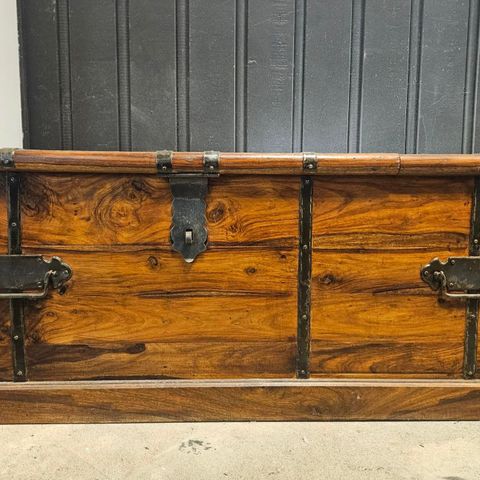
{"points": [[133, 313], [371, 313], [134, 308], [173, 401], [107, 212], [191, 359], [5, 342], [393, 164], [394, 214]]}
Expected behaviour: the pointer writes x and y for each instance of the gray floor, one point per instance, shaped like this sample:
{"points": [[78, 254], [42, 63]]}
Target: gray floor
{"points": [[448, 451]]}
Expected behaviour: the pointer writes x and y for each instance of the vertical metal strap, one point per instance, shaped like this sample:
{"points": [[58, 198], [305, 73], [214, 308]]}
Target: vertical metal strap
{"points": [[15, 248], [304, 278], [471, 319]]}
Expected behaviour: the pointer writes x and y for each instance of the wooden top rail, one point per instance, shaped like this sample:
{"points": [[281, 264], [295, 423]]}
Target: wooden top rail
{"points": [[246, 163]]}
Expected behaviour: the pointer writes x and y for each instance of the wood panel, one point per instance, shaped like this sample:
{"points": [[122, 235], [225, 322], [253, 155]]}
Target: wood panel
{"points": [[173, 401], [111, 210], [211, 74], [371, 313], [326, 102], [5, 343], [378, 214], [42, 123], [202, 359], [440, 107], [231, 313], [385, 76], [152, 94], [269, 76]]}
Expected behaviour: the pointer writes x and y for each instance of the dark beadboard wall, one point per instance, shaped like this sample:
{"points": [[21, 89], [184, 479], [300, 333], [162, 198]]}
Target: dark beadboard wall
{"points": [[257, 75]]}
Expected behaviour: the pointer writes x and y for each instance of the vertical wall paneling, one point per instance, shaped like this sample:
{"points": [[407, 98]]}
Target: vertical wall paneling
{"points": [[274, 75], [93, 57], [298, 78], [385, 67], [413, 79], [63, 32], [212, 75], [241, 13], [123, 75], [40, 76], [442, 80], [152, 72], [270, 75], [471, 79], [183, 74], [326, 76], [356, 75]]}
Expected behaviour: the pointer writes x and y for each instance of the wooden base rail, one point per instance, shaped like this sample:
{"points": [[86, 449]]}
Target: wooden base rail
{"points": [[258, 400], [245, 163]]}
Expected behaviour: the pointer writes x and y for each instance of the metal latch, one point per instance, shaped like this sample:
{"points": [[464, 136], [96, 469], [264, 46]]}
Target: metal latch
{"points": [[188, 232], [30, 276], [458, 277]]}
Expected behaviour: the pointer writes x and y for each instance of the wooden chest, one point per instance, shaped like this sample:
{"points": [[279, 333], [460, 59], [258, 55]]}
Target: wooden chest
{"points": [[166, 286]]}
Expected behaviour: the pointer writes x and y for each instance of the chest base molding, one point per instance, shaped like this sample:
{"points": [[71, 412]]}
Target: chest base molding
{"points": [[228, 400]]}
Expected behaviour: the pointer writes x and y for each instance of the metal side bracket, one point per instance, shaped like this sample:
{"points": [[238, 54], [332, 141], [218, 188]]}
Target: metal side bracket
{"points": [[30, 276], [458, 277]]}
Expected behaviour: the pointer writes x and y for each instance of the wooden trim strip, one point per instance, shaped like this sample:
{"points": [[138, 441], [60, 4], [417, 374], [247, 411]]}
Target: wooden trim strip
{"points": [[290, 400], [249, 163]]}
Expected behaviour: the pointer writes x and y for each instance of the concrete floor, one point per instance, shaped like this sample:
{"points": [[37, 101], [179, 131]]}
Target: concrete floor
{"points": [[434, 450]]}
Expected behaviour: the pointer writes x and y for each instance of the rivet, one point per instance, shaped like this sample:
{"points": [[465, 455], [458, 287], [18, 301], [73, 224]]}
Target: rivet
{"points": [[307, 181], [310, 166], [452, 261], [305, 247], [164, 167], [303, 372], [13, 225], [451, 284], [16, 337], [304, 317], [470, 372], [20, 373], [12, 179], [475, 241]]}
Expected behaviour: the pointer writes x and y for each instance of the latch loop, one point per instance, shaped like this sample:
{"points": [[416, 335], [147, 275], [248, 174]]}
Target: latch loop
{"points": [[457, 274], [29, 277]]}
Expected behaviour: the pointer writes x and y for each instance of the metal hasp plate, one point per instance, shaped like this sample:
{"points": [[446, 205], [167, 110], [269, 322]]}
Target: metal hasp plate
{"points": [[189, 232], [457, 274], [30, 276]]}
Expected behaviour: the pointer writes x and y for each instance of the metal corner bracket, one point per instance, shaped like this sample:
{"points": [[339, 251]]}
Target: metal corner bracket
{"points": [[6, 158]]}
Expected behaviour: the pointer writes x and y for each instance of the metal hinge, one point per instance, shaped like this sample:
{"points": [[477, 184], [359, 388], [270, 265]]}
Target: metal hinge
{"points": [[188, 233], [6, 157], [458, 277], [30, 276]]}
